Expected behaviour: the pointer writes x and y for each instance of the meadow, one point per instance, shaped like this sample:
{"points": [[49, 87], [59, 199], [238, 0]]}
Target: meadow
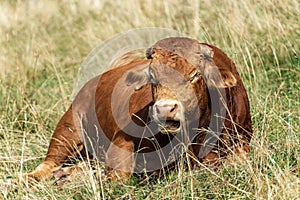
{"points": [[43, 44]]}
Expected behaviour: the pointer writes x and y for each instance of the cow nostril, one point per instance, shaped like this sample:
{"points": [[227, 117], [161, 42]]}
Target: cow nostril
{"points": [[174, 108], [157, 110], [166, 110]]}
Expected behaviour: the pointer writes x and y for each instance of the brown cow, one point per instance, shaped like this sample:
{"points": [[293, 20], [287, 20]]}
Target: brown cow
{"points": [[187, 96]]}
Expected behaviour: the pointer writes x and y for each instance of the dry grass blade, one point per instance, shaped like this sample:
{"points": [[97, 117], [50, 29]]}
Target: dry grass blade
{"points": [[44, 42]]}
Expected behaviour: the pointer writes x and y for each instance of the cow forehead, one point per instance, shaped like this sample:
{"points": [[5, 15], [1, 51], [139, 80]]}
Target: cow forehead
{"points": [[166, 65], [170, 71], [186, 48]]}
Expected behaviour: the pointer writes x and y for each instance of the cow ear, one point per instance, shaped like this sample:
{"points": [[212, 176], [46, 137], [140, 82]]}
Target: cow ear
{"points": [[137, 78], [216, 77], [206, 50]]}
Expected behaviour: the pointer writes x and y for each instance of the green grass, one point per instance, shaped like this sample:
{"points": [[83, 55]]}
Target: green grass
{"points": [[44, 42]]}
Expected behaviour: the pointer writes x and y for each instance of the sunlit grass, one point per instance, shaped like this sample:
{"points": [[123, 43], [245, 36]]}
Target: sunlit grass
{"points": [[44, 42]]}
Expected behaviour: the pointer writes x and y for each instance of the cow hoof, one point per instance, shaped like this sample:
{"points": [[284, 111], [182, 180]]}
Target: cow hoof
{"points": [[62, 181], [212, 160], [119, 176]]}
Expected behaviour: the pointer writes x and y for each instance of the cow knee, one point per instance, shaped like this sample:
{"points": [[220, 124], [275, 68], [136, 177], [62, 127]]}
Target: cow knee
{"points": [[119, 159], [41, 173]]}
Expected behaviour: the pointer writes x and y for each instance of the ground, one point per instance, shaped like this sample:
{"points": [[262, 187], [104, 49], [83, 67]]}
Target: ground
{"points": [[44, 42]]}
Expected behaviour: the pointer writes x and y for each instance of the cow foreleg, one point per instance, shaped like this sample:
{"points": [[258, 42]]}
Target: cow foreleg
{"points": [[119, 159], [64, 144]]}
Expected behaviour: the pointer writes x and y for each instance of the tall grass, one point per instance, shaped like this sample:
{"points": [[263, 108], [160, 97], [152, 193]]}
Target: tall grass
{"points": [[44, 42]]}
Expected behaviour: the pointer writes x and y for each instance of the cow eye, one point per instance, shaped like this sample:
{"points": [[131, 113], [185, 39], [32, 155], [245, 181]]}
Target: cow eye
{"points": [[152, 77], [194, 77]]}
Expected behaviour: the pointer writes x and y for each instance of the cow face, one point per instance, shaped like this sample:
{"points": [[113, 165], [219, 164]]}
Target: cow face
{"points": [[181, 72], [175, 96]]}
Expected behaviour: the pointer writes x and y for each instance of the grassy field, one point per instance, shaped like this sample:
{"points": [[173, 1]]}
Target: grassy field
{"points": [[44, 42]]}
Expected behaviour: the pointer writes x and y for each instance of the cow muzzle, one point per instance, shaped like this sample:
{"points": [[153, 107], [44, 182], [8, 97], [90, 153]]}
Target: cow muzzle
{"points": [[168, 114]]}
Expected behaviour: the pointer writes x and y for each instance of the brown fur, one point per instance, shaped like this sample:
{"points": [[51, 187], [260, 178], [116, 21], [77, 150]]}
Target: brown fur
{"points": [[184, 55], [94, 105]]}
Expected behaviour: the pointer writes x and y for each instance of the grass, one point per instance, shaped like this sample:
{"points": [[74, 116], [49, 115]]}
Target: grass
{"points": [[44, 42]]}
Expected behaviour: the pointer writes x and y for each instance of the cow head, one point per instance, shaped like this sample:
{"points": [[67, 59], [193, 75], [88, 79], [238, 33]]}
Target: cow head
{"points": [[181, 72]]}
